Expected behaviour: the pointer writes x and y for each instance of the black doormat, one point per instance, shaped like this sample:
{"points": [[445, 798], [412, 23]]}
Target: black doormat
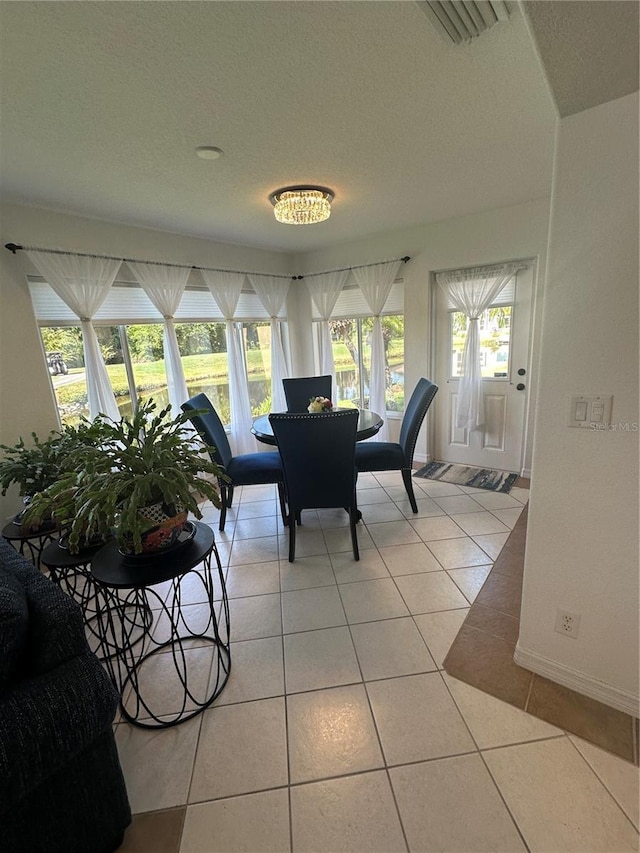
{"points": [[464, 475]]}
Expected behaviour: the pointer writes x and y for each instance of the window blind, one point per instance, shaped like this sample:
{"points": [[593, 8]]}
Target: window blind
{"points": [[127, 303], [351, 302], [507, 296]]}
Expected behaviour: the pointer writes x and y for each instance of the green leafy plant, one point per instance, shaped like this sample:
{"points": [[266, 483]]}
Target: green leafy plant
{"points": [[138, 462], [37, 466]]}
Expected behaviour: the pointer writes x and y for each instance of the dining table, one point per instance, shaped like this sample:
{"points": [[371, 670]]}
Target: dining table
{"points": [[369, 423]]}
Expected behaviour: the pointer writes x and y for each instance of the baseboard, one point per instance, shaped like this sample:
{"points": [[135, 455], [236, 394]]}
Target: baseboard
{"points": [[422, 458], [526, 473], [622, 700]]}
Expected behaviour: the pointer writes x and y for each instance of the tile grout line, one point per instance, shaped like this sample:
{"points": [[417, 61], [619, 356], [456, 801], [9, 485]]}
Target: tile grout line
{"points": [[482, 758], [597, 775], [375, 726]]}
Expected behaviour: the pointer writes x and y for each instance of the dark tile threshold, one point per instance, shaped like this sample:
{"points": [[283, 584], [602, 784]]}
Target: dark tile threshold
{"points": [[482, 655], [154, 832]]}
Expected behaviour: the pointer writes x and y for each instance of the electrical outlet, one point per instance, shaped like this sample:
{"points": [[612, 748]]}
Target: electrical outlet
{"points": [[567, 623]]}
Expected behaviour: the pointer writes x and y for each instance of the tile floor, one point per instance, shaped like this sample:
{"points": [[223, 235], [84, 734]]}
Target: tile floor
{"points": [[482, 655], [338, 729]]}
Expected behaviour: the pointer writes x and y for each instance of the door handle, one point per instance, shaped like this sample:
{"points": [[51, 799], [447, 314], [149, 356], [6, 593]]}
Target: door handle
{"points": [[520, 386]]}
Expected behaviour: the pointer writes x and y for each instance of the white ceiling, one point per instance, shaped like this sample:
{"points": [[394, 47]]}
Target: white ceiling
{"points": [[103, 104]]}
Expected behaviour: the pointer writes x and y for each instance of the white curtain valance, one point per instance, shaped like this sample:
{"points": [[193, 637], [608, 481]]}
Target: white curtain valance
{"points": [[472, 291], [83, 284]]}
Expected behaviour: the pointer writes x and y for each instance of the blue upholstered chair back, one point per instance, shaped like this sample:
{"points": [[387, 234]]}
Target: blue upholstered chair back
{"points": [[318, 457], [419, 402], [210, 428], [299, 391]]}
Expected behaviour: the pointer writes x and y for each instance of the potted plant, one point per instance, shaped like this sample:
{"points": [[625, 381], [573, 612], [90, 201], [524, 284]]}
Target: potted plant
{"points": [[139, 482], [37, 466]]}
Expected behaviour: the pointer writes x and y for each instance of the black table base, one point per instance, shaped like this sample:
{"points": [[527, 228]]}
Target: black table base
{"points": [[72, 574], [174, 634]]}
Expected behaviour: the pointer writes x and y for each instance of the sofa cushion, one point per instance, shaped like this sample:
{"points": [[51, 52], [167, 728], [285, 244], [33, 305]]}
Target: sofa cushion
{"points": [[14, 625]]}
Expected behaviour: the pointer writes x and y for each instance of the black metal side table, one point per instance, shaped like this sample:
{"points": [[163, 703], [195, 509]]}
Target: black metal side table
{"points": [[72, 574], [30, 543], [173, 634]]}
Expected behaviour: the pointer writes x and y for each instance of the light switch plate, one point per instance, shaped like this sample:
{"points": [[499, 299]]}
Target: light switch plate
{"points": [[589, 411]]}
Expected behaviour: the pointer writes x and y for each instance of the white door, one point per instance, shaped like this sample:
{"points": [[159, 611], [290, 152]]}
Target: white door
{"points": [[504, 342]]}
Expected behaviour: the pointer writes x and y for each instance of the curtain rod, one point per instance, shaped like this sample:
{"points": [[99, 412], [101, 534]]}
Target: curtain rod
{"points": [[357, 267], [13, 247]]}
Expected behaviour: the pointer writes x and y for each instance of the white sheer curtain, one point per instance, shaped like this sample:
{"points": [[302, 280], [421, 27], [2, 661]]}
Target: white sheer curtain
{"points": [[272, 292], [375, 282], [164, 285], [225, 288], [83, 283], [472, 291], [325, 290]]}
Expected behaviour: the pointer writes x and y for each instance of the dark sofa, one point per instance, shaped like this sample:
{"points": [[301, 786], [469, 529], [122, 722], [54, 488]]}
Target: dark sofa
{"points": [[61, 785]]}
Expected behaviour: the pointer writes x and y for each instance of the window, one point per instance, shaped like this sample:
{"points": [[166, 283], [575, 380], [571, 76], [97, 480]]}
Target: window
{"points": [[203, 348], [350, 328], [68, 370], [130, 333], [134, 357], [351, 341], [495, 339], [257, 348]]}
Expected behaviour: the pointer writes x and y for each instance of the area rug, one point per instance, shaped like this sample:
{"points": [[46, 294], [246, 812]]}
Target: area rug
{"points": [[464, 475]]}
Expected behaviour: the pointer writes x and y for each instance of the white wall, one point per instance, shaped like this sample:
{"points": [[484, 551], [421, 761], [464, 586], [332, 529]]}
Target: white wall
{"points": [[27, 403], [519, 231], [582, 542]]}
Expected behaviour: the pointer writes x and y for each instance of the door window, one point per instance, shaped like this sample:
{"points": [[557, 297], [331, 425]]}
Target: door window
{"points": [[495, 341]]}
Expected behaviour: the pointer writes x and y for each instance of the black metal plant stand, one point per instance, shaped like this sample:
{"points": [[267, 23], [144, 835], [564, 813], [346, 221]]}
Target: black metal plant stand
{"points": [[173, 634], [71, 572], [30, 543]]}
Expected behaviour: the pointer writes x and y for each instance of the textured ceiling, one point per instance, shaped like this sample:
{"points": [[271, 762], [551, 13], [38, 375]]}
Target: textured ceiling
{"points": [[589, 50], [103, 104]]}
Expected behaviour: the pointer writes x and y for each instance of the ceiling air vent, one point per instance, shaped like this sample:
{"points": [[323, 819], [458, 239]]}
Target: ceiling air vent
{"points": [[463, 20]]}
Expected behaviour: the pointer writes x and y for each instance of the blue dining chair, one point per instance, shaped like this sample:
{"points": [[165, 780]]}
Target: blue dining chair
{"points": [[299, 391], [247, 469], [398, 456], [318, 460]]}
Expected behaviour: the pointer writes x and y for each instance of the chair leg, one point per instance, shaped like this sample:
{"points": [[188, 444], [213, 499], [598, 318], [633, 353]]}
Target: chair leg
{"points": [[229, 496], [353, 520], [293, 514], [223, 508], [283, 505], [408, 484]]}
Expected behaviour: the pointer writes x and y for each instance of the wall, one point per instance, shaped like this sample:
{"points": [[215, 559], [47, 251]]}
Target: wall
{"points": [[27, 403], [519, 231], [582, 542]]}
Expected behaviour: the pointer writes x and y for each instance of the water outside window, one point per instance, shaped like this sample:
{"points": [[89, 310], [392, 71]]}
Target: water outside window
{"points": [[352, 356], [203, 348], [495, 340], [257, 347], [147, 360]]}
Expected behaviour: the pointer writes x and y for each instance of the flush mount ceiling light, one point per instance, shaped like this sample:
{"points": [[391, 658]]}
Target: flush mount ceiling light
{"points": [[302, 205]]}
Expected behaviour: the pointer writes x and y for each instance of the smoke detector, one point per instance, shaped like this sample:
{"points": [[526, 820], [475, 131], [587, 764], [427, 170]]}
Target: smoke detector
{"points": [[463, 20]]}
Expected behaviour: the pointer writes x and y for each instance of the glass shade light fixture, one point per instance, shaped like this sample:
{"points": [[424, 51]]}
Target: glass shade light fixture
{"points": [[302, 205]]}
